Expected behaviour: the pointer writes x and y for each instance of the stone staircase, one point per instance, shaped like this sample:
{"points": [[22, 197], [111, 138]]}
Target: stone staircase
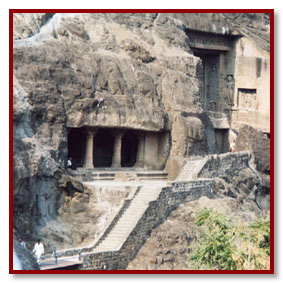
{"points": [[92, 175], [152, 175], [191, 168], [128, 220], [131, 177]]}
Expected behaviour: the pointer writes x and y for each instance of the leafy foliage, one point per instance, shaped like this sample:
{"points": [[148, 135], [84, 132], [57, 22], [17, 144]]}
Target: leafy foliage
{"points": [[225, 245], [254, 250], [216, 243]]}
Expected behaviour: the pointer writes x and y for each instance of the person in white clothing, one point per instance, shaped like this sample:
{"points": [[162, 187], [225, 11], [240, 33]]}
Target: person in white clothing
{"points": [[69, 163], [38, 250]]}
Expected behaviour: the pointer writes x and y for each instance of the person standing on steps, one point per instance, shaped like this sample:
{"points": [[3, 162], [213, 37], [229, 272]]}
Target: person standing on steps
{"points": [[69, 163], [232, 147], [22, 243], [38, 250]]}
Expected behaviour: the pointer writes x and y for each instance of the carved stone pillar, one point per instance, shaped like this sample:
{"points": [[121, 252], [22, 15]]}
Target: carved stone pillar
{"points": [[116, 160], [140, 150], [221, 102], [88, 160]]}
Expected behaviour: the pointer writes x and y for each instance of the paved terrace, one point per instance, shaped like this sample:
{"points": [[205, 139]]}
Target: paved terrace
{"points": [[150, 205]]}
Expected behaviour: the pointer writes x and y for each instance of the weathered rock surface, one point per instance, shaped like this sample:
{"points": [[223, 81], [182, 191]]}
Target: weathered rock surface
{"points": [[254, 140], [167, 247], [28, 24], [26, 260], [91, 70], [48, 203], [259, 144], [254, 25], [105, 70]]}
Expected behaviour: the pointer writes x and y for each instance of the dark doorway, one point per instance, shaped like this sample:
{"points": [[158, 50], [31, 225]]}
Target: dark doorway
{"points": [[129, 149], [222, 139], [210, 76], [103, 148], [76, 146]]}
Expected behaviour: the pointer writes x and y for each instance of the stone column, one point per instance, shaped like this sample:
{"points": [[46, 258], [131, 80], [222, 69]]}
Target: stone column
{"points": [[140, 150], [116, 159], [221, 104], [88, 160]]}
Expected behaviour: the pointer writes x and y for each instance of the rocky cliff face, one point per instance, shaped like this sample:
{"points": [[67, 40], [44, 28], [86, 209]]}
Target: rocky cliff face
{"points": [[168, 245], [92, 70], [105, 70]]}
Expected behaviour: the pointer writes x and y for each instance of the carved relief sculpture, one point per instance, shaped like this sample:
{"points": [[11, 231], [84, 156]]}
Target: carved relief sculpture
{"points": [[229, 90], [247, 98]]}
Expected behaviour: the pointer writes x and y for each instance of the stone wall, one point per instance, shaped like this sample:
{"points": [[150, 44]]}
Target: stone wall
{"points": [[252, 87], [169, 199], [258, 143], [224, 164], [157, 212], [130, 71]]}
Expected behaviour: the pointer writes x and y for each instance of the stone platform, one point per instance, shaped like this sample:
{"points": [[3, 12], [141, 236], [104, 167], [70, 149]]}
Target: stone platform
{"points": [[150, 204], [119, 174], [62, 263]]}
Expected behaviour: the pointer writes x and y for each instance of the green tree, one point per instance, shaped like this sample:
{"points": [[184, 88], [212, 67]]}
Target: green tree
{"points": [[254, 250], [215, 246], [225, 245]]}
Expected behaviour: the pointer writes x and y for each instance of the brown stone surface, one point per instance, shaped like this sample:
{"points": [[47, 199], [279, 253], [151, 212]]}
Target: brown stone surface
{"points": [[28, 24], [94, 70], [130, 71], [27, 260], [256, 141], [167, 247], [242, 197]]}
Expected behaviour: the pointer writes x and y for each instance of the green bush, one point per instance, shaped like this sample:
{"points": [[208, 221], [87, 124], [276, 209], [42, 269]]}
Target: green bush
{"points": [[254, 251], [224, 245], [215, 246]]}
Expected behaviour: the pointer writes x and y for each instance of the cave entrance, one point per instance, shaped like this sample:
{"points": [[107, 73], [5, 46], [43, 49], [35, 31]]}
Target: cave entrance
{"points": [[76, 145], [217, 70], [129, 149], [222, 139], [210, 78], [103, 148]]}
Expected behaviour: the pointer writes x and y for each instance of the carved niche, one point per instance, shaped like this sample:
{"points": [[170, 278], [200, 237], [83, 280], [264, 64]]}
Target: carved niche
{"points": [[229, 90], [246, 98]]}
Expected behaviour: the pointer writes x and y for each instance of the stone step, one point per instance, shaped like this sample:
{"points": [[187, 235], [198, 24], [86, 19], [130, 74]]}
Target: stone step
{"points": [[108, 248], [122, 228], [110, 173], [141, 199], [144, 195], [104, 249], [117, 234], [113, 240], [109, 243], [119, 229], [129, 216], [131, 213], [137, 204], [128, 220], [191, 169], [124, 225]]}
